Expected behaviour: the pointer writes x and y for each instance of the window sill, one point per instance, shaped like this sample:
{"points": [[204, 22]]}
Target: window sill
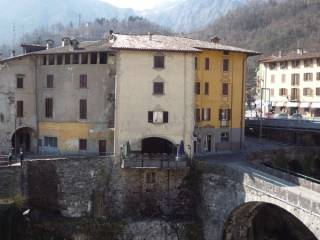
{"points": [[158, 94]]}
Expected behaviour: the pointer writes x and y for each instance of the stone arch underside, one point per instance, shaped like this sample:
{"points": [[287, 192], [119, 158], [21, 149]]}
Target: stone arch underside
{"points": [[264, 221]]}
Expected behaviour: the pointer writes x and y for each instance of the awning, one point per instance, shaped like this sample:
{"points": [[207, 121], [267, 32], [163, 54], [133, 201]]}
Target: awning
{"points": [[281, 104], [292, 104], [305, 105], [315, 105]]}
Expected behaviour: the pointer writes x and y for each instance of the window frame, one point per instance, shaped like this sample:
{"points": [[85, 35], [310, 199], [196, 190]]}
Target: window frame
{"points": [[20, 81], [83, 144], [83, 81], [158, 88], [50, 81], [19, 109], [83, 109], [158, 61], [49, 107]]}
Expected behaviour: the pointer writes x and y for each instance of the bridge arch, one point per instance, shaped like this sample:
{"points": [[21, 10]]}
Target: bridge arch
{"points": [[262, 220]]}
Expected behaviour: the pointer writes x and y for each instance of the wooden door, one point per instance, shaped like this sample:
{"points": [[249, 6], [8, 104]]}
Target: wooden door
{"points": [[102, 147]]}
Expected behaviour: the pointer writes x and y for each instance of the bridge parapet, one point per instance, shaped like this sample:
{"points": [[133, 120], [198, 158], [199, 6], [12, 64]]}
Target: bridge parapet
{"points": [[232, 185]]}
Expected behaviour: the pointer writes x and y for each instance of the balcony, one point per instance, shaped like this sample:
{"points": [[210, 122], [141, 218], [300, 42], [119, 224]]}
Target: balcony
{"points": [[153, 160]]}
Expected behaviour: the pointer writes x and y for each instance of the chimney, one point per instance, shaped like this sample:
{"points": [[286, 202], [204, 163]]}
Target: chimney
{"points": [[300, 51], [65, 41], [150, 36], [280, 54], [75, 44], [13, 53], [215, 39], [50, 43]]}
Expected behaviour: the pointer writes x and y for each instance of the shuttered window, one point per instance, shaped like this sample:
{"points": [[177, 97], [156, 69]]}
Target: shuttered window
{"points": [[83, 81], [49, 107], [83, 109], [19, 108]]}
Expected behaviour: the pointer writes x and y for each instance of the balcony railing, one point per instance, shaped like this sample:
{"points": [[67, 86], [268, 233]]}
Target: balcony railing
{"points": [[153, 160]]}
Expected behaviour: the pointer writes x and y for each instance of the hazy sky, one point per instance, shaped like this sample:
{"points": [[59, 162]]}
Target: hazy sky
{"points": [[135, 4]]}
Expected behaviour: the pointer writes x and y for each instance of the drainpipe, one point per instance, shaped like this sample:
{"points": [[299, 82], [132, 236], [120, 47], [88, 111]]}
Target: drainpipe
{"points": [[36, 100], [242, 102]]}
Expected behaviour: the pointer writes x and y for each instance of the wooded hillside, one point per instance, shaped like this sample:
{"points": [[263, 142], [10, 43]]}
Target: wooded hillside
{"points": [[269, 26]]}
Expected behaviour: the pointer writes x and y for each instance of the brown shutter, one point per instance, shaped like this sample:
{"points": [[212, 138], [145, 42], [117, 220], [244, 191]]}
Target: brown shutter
{"points": [[220, 114], [150, 117], [202, 117], [165, 117]]}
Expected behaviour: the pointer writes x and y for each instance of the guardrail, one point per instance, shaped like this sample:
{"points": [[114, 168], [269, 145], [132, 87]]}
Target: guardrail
{"points": [[284, 123]]}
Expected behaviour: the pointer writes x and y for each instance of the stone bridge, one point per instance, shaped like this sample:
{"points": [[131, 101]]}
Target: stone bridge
{"points": [[241, 201]]}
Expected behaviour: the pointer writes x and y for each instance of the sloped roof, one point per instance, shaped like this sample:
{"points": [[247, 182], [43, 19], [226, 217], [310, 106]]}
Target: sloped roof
{"points": [[170, 43], [290, 57]]}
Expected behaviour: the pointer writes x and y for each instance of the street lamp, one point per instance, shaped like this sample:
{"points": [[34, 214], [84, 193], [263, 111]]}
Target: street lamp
{"points": [[266, 90]]}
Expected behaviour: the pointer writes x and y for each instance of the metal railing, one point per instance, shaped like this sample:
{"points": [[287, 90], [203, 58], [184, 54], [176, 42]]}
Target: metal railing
{"points": [[296, 174]]}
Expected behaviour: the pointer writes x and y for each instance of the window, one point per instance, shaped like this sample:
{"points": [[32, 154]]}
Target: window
{"points": [[295, 94], [83, 109], [196, 63], [82, 144], [283, 92], [67, 59], [225, 137], [307, 92], [283, 78], [103, 58], [158, 117], [158, 61], [295, 79], [75, 59], [206, 114], [51, 59], [307, 76], [51, 142], [158, 88], [272, 92], [207, 63], [19, 81], [198, 117], [295, 64], [225, 65], [84, 58], [273, 79], [318, 62], [284, 65], [318, 76], [20, 109], [224, 114], [94, 58], [272, 66], [225, 89], [49, 81], [308, 63], [49, 107], [206, 88], [317, 91], [151, 177], [59, 59], [197, 88], [83, 81], [44, 60]]}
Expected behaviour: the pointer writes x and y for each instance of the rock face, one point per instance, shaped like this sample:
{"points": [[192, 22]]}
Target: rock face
{"points": [[183, 16]]}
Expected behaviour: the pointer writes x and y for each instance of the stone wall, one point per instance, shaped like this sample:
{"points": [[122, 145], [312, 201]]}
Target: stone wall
{"points": [[10, 181]]}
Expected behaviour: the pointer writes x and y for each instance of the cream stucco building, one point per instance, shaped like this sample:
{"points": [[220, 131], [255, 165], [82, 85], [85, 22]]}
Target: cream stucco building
{"points": [[291, 83]]}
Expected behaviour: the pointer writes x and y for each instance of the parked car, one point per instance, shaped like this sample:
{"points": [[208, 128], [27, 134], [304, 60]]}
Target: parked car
{"points": [[282, 116], [296, 116]]}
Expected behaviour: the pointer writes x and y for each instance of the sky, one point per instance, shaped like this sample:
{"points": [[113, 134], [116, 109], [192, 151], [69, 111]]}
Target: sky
{"points": [[136, 4]]}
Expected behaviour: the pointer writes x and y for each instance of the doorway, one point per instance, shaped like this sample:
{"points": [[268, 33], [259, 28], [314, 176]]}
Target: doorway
{"points": [[102, 147]]}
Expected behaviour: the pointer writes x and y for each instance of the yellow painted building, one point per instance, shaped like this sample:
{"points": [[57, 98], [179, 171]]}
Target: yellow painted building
{"points": [[220, 98]]}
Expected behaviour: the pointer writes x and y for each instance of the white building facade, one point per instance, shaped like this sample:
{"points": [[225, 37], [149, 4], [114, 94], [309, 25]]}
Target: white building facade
{"points": [[290, 83]]}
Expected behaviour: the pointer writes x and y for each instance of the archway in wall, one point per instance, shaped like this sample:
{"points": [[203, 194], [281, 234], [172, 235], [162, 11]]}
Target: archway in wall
{"points": [[264, 221], [158, 145], [22, 139]]}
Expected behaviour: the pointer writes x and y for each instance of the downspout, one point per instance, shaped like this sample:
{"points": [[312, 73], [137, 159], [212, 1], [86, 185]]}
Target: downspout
{"points": [[36, 102], [242, 102]]}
